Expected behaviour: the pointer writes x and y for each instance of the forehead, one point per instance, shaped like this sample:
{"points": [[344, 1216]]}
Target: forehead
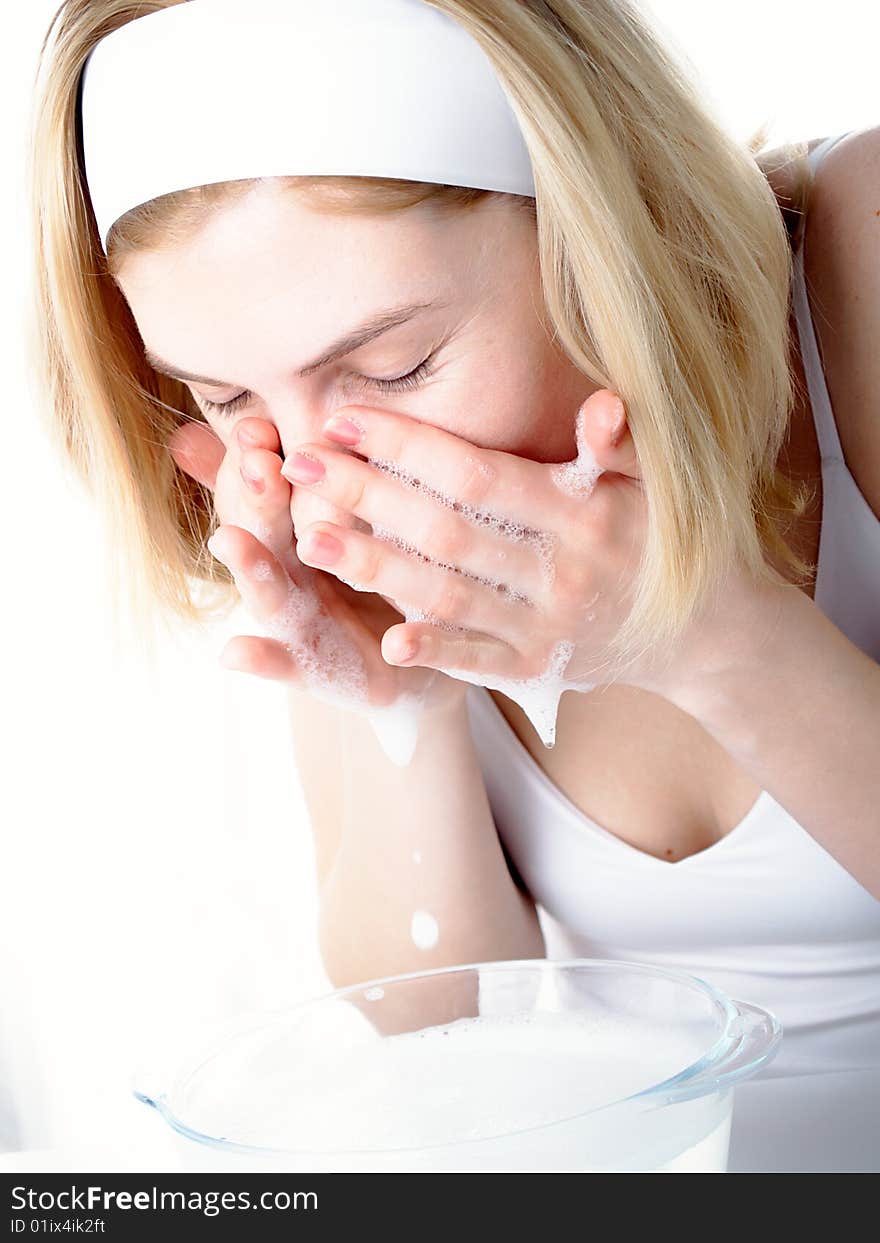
{"points": [[269, 247]]}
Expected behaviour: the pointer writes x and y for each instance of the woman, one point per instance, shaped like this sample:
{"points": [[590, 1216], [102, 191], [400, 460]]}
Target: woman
{"points": [[727, 750]]}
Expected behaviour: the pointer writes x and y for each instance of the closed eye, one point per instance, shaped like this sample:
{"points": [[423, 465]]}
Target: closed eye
{"points": [[225, 408], [409, 381]]}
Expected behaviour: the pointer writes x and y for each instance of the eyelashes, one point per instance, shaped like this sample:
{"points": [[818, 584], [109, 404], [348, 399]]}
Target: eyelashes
{"points": [[225, 408], [412, 379], [409, 381]]}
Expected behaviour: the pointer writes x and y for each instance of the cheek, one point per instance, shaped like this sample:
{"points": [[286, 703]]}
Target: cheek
{"points": [[527, 425], [492, 413], [547, 432]]}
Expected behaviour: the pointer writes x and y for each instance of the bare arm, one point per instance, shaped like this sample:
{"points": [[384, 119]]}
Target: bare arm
{"points": [[843, 245], [800, 710], [370, 817], [798, 706]]}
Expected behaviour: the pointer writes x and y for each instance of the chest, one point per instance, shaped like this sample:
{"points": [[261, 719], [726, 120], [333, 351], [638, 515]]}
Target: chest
{"points": [[636, 764]]}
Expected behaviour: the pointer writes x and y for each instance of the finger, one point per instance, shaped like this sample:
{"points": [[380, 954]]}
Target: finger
{"points": [[295, 609], [263, 583], [253, 494], [252, 432], [602, 422], [439, 592], [438, 649], [466, 474], [198, 451], [492, 547], [266, 494], [264, 658], [307, 505]]}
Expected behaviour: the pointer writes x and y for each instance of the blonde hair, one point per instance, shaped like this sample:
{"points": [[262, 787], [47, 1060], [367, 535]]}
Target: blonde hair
{"points": [[665, 265]]}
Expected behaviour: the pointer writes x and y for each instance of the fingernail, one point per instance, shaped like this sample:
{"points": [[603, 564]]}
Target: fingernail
{"points": [[406, 650], [252, 480], [344, 430], [245, 437], [302, 469], [323, 547]]}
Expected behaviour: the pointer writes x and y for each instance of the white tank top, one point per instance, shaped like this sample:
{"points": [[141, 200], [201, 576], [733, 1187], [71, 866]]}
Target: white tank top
{"points": [[766, 913]]}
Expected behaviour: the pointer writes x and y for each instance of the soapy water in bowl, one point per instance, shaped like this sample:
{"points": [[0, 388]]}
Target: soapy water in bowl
{"points": [[470, 1079]]}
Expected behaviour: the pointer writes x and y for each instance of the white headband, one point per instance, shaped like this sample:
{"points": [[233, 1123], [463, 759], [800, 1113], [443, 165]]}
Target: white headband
{"points": [[219, 90]]}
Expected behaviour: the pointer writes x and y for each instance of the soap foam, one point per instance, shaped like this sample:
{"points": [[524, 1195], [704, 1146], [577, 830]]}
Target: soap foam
{"points": [[324, 655], [578, 478]]}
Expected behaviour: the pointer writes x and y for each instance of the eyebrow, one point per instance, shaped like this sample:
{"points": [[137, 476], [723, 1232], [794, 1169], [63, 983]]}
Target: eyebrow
{"points": [[375, 326]]}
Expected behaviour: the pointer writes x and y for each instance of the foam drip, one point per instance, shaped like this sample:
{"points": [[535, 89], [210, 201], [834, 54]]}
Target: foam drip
{"points": [[539, 696], [425, 930]]}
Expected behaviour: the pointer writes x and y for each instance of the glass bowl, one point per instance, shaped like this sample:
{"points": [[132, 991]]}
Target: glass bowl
{"points": [[578, 1065]]}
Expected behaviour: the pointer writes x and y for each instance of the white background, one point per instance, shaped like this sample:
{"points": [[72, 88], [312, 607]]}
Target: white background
{"points": [[157, 866]]}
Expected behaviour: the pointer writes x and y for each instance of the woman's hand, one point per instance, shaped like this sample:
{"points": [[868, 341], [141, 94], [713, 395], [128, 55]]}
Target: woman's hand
{"points": [[504, 567], [322, 633]]}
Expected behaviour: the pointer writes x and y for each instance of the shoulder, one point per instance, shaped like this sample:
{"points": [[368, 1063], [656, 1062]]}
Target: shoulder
{"points": [[849, 174], [787, 172], [842, 266]]}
